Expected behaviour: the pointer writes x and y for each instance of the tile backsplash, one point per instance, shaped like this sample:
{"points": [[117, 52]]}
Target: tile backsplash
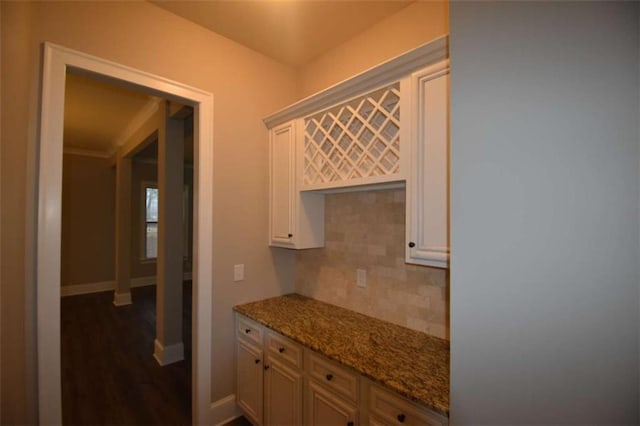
{"points": [[366, 230]]}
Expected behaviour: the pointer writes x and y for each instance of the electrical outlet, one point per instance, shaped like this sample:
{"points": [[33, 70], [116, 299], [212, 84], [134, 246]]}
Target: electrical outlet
{"points": [[361, 277], [238, 272]]}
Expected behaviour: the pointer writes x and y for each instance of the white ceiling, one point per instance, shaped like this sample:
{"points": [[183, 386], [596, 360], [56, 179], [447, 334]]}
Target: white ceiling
{"points": [[98, 115], [290, 31]]}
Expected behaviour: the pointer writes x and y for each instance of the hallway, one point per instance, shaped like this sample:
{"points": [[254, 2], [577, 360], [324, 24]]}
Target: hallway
{"points": [[109, 375]]}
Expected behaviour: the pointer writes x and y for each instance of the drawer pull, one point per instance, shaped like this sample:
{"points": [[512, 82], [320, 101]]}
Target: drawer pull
{"points": [[266, 367], [329, 376], [257, 361], [247, 330], [350, 424], [401, 418], [281, 350]]}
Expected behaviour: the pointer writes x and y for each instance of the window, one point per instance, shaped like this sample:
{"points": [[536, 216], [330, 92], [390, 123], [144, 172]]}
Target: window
{"points": [[151, 223], [150, 226]]}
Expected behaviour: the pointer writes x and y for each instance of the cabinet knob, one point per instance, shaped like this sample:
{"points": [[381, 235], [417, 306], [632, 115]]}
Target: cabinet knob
{"points": [[257, 361], [349, 423], [247, 330], [290, 235], [329, 376], [266, 367], [401, 418], [281, 350], [412, 244]]}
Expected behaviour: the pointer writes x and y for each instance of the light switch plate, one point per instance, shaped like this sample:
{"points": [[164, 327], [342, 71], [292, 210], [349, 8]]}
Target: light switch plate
{"points": [[238, 272], [361, 277]]}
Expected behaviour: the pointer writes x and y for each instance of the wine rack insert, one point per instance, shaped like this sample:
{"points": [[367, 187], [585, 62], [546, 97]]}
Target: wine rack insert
{"points": [[354, 140]]}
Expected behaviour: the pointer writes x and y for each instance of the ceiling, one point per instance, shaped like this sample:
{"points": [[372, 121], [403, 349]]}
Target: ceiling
{"points": [[290, 31], [99, 115]]}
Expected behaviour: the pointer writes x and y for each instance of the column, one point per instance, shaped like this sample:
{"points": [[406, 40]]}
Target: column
{"points": [[122, 293], [168, 344]]}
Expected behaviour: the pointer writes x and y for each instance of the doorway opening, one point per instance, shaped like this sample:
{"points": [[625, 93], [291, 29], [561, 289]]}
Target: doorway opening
{"points": [[57, 61]]}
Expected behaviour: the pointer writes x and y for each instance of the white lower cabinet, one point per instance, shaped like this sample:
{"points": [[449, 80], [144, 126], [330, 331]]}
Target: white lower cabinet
{"points": [[280, 383], [387, 408], [282, 394], [325, 408], [249, 379]]}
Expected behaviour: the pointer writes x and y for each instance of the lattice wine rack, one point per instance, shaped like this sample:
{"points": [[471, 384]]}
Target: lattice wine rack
{"points": [[354, 140]]}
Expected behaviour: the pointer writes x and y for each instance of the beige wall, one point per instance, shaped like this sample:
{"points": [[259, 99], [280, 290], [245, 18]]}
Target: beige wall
{"points": [[88, 220], [246, 87], [412, 26], [366, 230]]}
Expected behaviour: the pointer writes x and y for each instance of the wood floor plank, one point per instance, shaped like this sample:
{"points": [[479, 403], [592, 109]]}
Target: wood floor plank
{"points": [[109, 375]]}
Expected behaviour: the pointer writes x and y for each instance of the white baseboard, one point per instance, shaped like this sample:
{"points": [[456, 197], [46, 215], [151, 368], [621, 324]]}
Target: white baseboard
{"points": [[122, 299], [78, 289], [166, 355], [143, 281], [224, 410]]}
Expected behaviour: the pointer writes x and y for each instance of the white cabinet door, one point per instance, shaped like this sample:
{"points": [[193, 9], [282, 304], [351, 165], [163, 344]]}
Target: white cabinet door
{"points": [[296, 219], [324, 408], [428, 185], [282, 395], [282, 191], [249, 377]]}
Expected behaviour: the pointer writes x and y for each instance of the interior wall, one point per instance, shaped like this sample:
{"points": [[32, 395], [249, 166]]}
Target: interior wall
{"points": [[544, 212], [88, 220], [366, 230], [246, 86], [416, 24]]}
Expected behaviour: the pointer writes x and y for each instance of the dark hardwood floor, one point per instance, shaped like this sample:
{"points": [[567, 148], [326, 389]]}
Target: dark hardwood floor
{"points": [[109, 375]]}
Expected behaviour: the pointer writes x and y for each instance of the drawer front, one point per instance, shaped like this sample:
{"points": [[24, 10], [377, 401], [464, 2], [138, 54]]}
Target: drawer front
{"points": [[334, 377], [284, 349], [249, 330], [391, 409]]}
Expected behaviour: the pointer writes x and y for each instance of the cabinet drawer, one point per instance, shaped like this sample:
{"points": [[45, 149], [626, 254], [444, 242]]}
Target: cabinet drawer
{"points": [[249, 330], [283, 349], [336, 378], [391, 409]]}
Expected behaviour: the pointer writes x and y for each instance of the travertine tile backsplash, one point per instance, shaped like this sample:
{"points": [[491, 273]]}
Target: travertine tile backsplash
{"points": [[366, 230]]}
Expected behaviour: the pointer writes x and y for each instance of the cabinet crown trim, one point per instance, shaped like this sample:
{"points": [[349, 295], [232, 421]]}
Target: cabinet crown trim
{"points": [[387, 72]]}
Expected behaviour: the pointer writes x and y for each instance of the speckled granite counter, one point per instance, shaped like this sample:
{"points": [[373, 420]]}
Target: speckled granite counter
{"points": [[408, 362]]}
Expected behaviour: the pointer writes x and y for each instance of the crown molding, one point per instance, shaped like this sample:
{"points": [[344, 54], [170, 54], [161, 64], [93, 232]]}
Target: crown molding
{"points": [[145, 113], [88, 152], [385, 73]]}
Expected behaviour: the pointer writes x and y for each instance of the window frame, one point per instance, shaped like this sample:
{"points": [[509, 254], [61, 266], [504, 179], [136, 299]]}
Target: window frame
{"points": [[186, 211]]}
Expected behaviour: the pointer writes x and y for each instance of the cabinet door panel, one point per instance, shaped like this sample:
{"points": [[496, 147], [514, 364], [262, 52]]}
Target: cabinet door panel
{"points": [[249, 377], [428, 187], [283, 395], [282, 183], [326, 409]]}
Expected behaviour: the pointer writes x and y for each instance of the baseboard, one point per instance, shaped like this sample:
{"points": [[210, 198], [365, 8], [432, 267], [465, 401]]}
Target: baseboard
{"points": [[122, 299], [166, 355], [78, 289], [224, 410], [143, 281]]}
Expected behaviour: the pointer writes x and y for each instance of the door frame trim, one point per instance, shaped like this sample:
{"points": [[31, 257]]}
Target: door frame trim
{"points": [[57, 60]]}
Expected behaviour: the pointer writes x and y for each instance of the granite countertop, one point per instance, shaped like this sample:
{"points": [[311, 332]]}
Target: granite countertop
{"points": [[408, 362]]}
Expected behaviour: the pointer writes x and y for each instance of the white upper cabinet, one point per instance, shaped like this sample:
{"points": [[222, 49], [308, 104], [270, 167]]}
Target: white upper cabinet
{"points": [[386, 127], [427, 209], [296, 219], [357, 142]]}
